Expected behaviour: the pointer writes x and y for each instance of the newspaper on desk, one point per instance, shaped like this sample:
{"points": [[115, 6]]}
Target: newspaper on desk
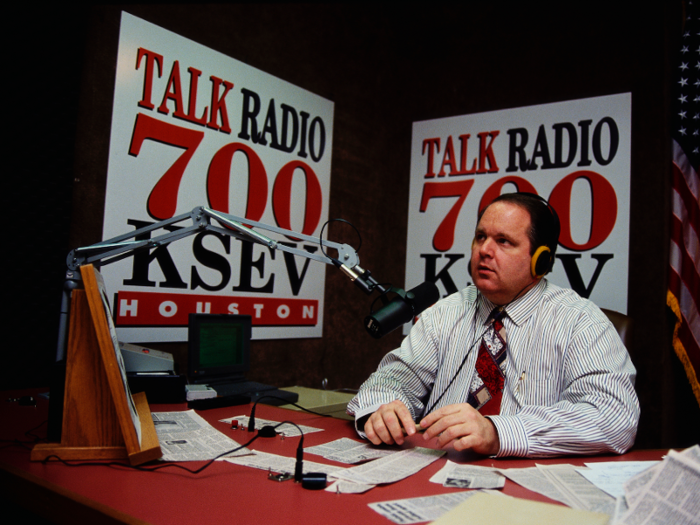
{"points": [[186, 436], [340, 486], [349, 451], [393, 468], [277, 463], [565, 484], [533, 479], [581, 493], [665, 493], [353, 480], [611, 476], [459, 476]]}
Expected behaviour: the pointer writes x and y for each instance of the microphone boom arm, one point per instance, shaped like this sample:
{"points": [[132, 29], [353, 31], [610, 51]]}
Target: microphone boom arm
{"points": [[125, 245]]}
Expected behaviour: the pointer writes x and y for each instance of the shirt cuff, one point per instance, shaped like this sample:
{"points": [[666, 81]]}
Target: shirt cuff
{"points": [[363, 413], [511, 436]]}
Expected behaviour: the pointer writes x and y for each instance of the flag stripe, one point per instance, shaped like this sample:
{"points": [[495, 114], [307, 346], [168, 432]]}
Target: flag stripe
{"points": [[685, 204], [688, 238], [684, 262]]}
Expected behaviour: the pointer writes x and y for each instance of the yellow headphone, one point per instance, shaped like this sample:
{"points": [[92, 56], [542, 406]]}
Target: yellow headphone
{"points": [[541, 262]]}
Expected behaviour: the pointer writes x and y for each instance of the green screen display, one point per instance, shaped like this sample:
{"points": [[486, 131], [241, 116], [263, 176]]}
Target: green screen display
{"points": [[220, 345]]}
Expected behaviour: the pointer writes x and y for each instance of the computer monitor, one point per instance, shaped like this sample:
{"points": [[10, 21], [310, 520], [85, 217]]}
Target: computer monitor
{"points": [[219, 346]]}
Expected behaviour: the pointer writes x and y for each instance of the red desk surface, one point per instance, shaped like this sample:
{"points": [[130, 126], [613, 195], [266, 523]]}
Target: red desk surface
{"points": [[223, 493]]}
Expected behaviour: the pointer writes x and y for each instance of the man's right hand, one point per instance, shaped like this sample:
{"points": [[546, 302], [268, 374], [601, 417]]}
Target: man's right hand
{"points": [[388, 423]]}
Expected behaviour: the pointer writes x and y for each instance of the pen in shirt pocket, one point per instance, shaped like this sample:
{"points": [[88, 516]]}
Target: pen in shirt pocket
{"points": [[522, 378]]}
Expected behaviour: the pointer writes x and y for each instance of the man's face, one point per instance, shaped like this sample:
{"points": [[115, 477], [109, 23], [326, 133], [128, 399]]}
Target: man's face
{"points": [[501, 253]]}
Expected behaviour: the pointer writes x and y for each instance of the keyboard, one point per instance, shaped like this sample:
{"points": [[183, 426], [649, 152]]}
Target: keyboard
{"points": [[241, 388]]}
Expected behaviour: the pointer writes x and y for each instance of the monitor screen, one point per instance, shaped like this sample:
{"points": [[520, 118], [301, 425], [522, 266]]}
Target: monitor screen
{"points": [[219, 345]]}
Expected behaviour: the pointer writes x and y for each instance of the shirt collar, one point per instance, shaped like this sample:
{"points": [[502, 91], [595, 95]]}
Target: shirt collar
{"points": [[519, 310]]}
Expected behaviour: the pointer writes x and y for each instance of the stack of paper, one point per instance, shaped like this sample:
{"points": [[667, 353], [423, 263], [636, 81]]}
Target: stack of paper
{"points": [[665, 493]]}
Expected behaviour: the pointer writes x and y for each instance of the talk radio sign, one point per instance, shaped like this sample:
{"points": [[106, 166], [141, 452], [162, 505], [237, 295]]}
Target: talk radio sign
{"points": [[192, 127], [575, 154]]}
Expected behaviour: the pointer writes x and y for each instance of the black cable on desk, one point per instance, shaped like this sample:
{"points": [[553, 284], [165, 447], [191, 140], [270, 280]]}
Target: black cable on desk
{"points": [[147, 469], [251, 419]]}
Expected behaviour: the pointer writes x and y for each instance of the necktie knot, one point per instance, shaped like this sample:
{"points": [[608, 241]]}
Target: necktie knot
{"points": [[496, 316]]}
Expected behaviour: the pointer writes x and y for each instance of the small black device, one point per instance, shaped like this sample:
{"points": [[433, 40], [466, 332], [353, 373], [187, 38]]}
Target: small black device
{"points": [[314, 480]]}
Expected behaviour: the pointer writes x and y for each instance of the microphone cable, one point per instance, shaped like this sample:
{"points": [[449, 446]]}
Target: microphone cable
{"points": [[251, 419], [499, 315], [464, 360], [320, 236]]}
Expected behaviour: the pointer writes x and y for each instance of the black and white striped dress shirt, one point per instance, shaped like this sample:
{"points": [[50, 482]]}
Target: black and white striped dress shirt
{"points": [[569, 385]]}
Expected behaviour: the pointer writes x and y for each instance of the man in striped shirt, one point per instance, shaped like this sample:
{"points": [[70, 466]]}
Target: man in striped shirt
{"points": [[569, 381]]}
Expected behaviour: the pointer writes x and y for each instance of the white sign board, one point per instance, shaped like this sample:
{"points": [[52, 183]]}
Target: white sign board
{"points": [[192, 127]]}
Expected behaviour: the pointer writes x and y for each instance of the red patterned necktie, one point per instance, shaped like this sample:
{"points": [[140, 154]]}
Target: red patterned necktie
{"points": [[487, 389]]}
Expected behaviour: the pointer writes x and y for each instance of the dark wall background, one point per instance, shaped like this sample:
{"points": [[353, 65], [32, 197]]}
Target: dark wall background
{"points": [[384, 68]]}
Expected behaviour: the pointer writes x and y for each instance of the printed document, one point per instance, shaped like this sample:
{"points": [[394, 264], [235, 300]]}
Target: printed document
{"points": [[533, 479], [563, 483], [665, 493], [611, 476], [348, 487], [392, 468], [276, 463], [583, 494], [186, 436], [349, 451], [469, 477]]}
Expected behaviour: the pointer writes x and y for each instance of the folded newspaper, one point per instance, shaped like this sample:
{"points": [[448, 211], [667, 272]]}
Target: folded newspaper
{"points": [[186, 436]]}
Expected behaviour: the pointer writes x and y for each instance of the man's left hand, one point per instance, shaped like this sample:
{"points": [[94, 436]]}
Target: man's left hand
{"points": [[464, 427]]}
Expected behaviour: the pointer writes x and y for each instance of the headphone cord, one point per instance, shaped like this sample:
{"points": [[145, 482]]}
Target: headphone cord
{"points": [[500, 313], [464, 360]]}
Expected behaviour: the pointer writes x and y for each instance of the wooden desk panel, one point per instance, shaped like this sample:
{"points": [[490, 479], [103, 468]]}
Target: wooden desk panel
{"points": [[223, 493]]}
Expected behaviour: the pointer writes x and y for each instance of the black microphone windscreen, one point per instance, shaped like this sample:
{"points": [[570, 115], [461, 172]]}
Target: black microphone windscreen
{"points": [[425, 295], [401, 310]]}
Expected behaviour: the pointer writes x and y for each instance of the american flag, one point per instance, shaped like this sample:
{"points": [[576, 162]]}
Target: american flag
{"points": [[684, 276]]}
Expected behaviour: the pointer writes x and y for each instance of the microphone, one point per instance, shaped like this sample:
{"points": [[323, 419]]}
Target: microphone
{"points": [[251, 419], [401, 309]]}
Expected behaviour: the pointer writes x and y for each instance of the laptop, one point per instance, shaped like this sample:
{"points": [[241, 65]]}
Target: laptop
{"points": [[219, 357]]}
